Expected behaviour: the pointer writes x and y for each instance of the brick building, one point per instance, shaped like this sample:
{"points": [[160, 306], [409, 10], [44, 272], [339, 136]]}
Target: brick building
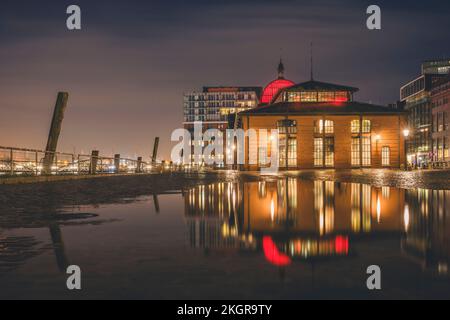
{"points": [[321, 126]]}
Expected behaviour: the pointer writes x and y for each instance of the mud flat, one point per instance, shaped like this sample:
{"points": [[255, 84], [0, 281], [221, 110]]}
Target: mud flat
{"points": [[99, 190]]}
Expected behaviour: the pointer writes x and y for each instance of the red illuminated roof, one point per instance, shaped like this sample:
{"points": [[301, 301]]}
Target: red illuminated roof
{"points": [[273, 87]]}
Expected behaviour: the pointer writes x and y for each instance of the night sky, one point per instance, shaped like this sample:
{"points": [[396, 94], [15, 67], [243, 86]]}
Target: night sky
{"points": [[127, 69]]}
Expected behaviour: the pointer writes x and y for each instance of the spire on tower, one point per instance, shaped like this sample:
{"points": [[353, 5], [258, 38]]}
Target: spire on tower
{"points": [[281, 70]]}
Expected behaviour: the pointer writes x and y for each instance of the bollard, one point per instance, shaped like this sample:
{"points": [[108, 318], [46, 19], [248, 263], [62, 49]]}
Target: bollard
{"points": [[139, 165], [11, 158], [155, 150], [116, 163], [93, 163], [55, 130]]}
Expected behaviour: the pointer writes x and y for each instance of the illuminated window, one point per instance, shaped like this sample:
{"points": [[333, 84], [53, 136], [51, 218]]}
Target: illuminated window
{"points": [[329, 151], [325, 96], [329, 126], [287, 126], [324, 148], [293, 97], [341, 96], [355, 126], [319, 126], [366, 126], [292, 152], [355, 151], [308, 96], [287, 130], [366, 151], [262, 156], [282, 150], [385, 154], [318, 151]]}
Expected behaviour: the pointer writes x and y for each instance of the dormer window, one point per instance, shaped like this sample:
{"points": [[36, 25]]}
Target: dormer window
{"points": [[315, 91], [314, 96]]}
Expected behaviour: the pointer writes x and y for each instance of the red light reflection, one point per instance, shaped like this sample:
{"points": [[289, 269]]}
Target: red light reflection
{"points": [[272, 254], [341, 244]]}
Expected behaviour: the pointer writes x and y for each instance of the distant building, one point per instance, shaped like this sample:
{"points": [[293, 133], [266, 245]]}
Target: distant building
{"points": [[440, 96], [321, 126], [214, 105], [416, 97], [439, 66]]}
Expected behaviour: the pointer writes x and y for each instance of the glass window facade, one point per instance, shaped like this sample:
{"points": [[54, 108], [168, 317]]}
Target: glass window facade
{"points": [[315, 96], [324, 145], [361, 142], [329, 151], [318, 152], [366, 126], [355, 150], [354, 126], [287, 133], [321, 125], [292, 152], [385, 156], [366, 151], [308, 96]]}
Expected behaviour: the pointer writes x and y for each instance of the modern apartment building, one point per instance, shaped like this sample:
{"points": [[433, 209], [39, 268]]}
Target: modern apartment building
{"points": [[440, 97]]}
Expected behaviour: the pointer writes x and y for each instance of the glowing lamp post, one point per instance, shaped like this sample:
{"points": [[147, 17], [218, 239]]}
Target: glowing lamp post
{"points": [[406, 135]]}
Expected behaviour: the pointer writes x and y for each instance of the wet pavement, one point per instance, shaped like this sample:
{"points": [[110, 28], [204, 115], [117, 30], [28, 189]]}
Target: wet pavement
{"points": [[295, 235]]}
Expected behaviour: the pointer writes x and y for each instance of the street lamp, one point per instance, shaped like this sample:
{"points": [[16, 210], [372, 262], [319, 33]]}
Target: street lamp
{"points": [[406, 135]]}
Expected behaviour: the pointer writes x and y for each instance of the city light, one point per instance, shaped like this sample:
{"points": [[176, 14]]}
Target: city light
{"points": [[406, 133]]}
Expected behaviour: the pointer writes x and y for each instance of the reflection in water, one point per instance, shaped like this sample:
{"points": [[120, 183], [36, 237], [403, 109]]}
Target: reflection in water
{"points": [[427, 227], [289, 219], [16, 250]]}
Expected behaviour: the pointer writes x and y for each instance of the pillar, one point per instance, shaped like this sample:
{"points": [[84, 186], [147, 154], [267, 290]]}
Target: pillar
{"points": [[55, 130], [116, 163], [94, 161]]}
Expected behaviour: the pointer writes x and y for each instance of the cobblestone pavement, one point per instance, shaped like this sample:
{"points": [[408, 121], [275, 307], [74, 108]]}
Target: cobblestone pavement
{"points": [[427, 179]]}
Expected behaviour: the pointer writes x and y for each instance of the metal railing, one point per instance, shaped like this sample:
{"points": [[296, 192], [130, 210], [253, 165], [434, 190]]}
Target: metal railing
{"points": [[31, 162]]}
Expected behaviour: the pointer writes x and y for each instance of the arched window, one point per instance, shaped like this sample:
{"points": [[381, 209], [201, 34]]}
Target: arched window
{"points": [[366, 126], [321, 125]]}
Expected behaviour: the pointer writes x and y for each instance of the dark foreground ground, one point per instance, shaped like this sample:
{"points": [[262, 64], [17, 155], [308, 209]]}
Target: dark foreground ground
{"points": [[135, 237], [118, 189]]}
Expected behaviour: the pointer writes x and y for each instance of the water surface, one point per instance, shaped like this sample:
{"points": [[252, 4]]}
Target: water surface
{"points": [[282, 238]]}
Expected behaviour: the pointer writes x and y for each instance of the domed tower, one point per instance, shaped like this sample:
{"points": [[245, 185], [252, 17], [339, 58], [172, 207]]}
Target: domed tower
{"points": [[276, 85]]}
